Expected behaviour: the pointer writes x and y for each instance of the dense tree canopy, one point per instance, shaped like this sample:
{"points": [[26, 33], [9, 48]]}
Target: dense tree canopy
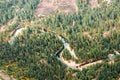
{"points": [[92, 33]]}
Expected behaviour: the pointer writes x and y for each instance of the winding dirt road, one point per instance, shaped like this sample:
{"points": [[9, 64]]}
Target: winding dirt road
{"points": [[71, 64]]}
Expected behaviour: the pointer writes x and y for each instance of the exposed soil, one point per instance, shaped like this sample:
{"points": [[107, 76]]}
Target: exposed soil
{"points": [[2, 28], [50, 6], [106, 33], [87, 34], [72, 64], [4, 76], [94, 4]]}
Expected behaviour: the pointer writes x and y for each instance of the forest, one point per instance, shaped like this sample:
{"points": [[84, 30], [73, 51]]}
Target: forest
{"points": [[93, 34]]}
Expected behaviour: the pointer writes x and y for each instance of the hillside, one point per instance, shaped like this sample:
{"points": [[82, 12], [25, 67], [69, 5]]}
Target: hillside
{"points": [[59, 40], [50, 6]]}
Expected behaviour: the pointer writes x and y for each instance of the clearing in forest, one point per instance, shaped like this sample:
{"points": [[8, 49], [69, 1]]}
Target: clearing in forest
{"points": [[4, 76], [49, 6]]}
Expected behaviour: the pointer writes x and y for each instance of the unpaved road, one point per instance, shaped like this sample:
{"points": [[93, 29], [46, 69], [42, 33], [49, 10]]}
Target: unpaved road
{"points": [[67, 46], [72, 64]]}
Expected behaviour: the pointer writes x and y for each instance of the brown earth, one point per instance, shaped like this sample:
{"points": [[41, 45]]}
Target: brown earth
{"points": [[94, 4], [49, 6], [5, 76], [2, 28]]}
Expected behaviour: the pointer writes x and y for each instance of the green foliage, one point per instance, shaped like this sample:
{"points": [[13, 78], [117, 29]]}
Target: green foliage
{"points": [[32, 54], [23, 9]]}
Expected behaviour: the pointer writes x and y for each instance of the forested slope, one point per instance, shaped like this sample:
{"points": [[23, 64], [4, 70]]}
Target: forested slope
{"points": [[93, 33], [22, 9]]}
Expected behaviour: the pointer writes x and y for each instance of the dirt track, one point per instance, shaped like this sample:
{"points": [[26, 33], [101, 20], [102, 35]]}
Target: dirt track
{"points": [[49, 6], [72, 64]]}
